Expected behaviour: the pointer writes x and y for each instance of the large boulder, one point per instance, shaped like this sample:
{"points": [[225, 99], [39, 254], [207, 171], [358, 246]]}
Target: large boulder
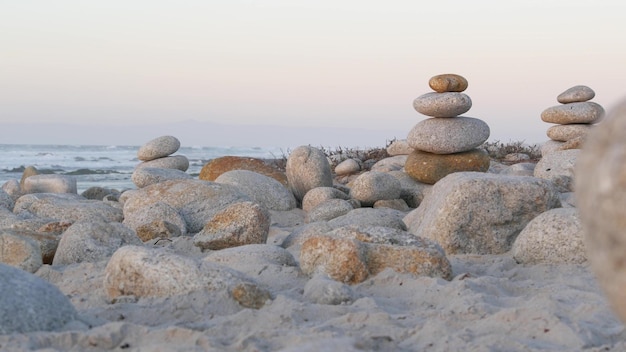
{"points": [[262, 189], [29, 303], [480, 213], [558, 167], [50, 184], [307, 168], [19, 251], [372, 186], [66, 207]]}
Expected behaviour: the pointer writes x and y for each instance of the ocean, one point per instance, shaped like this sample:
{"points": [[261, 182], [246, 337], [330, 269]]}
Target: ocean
{"points": [[105, 166]]}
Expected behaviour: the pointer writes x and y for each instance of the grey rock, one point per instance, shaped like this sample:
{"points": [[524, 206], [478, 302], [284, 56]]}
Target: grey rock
{"points": [[177, 162], [146, 176], [307, 168], [318, 195], [412, 191], [576, 94], [6, 201], [153, 212], [384, 217], [347, 167], [19, 251], [448, 136], [568, 199], [585, 112], [158, 148], [93, 242], [260, 188], [601, 195], [393, 163], [372, 186], [480, 213], [558, 167], [66, 207], [564, 133], [448, 104], [50, 184], [399, 147], [29, 303], [100, 193], [553, 237], [322, 290], [329, 210], [519, 169], [550, 146], [237, 225], [12, 188], [397, 204], [196, 200]]}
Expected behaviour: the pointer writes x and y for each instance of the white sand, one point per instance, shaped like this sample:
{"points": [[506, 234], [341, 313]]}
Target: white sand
{"points": [[492, 304]]}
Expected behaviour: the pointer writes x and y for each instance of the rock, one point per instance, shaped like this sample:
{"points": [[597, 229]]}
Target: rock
{"points": [[429, 168], [564, 133], [399, 147], [343, 260], [601, 195], [384, 217], [214, 168], [322, 290], [397, 204], [149, 216], [12, 188], [157, 230], [448, 82], [347, 167], [412, 191], [100, 193], [6, 201], [576, 94], [480, 213], [393, 163], [92, 242], [299, 235], [237, 225], [256, 254], [29, 304], [568, 200], [19, 251], [558, 167], [574, 143], [550, 146], [143, 272], [50, 184], [260, 188], [146, 176], [48, 242], [28, 172], [447, 136], [196, 200], [307, 168], [372, 186], [67, 207], [553, 237], [329, 210], [177, 162], [519, 169], [585, 112], [158, 148], [319, 195], [442, 104]]}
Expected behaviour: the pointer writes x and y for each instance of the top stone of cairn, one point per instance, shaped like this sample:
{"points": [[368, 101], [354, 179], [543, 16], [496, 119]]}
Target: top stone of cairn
{"points": [[576, 94], [448, 82]]}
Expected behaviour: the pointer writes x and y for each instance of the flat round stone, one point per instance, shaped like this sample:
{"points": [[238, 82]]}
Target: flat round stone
{"points": [[447, 136], [449, 104], [448, 82], [585, 112], [564, 133], [576, 94], [429, 168]]}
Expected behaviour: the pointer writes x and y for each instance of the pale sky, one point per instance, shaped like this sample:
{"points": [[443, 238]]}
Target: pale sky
{"points": [[335, 64]]}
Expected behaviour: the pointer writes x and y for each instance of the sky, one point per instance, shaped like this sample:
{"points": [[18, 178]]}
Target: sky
{"points": [[342, 65]]}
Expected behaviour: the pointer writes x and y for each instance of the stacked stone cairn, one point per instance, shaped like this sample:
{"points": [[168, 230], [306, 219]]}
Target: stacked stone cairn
{"points": [[574, 118], [446, 142], [158, 163]]}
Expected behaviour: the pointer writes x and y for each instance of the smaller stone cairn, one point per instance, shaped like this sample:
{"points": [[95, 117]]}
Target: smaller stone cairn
{"points": [[446, 142], [573, 119], [157, 153]]}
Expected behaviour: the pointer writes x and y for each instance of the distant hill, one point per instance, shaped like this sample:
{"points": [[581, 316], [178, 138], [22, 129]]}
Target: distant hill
{"points": [[195, 133]]}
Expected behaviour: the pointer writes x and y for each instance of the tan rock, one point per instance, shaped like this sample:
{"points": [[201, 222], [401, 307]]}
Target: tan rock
{"points": [[564, 133], [343, 260], [429, 168], [157, 229], [449, 104], [19, 251], [423, 261], [576, 94], [448, 82], [584, 112], [214, 168], [28, 171]]}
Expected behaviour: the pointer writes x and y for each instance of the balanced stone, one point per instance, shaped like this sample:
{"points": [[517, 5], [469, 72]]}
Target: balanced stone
{"points": [[448, 82], [430, 168], [564, 133], [158, 148], [584, 112], [576, 94], [449, 104], [447, 136]]}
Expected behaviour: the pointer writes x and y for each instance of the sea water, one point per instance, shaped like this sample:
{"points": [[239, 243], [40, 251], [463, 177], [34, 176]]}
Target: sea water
{"points": [[106, 166]]}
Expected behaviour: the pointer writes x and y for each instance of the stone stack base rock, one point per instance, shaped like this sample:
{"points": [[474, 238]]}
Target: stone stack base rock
{"points": [[446, 142], [574, 118]]}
